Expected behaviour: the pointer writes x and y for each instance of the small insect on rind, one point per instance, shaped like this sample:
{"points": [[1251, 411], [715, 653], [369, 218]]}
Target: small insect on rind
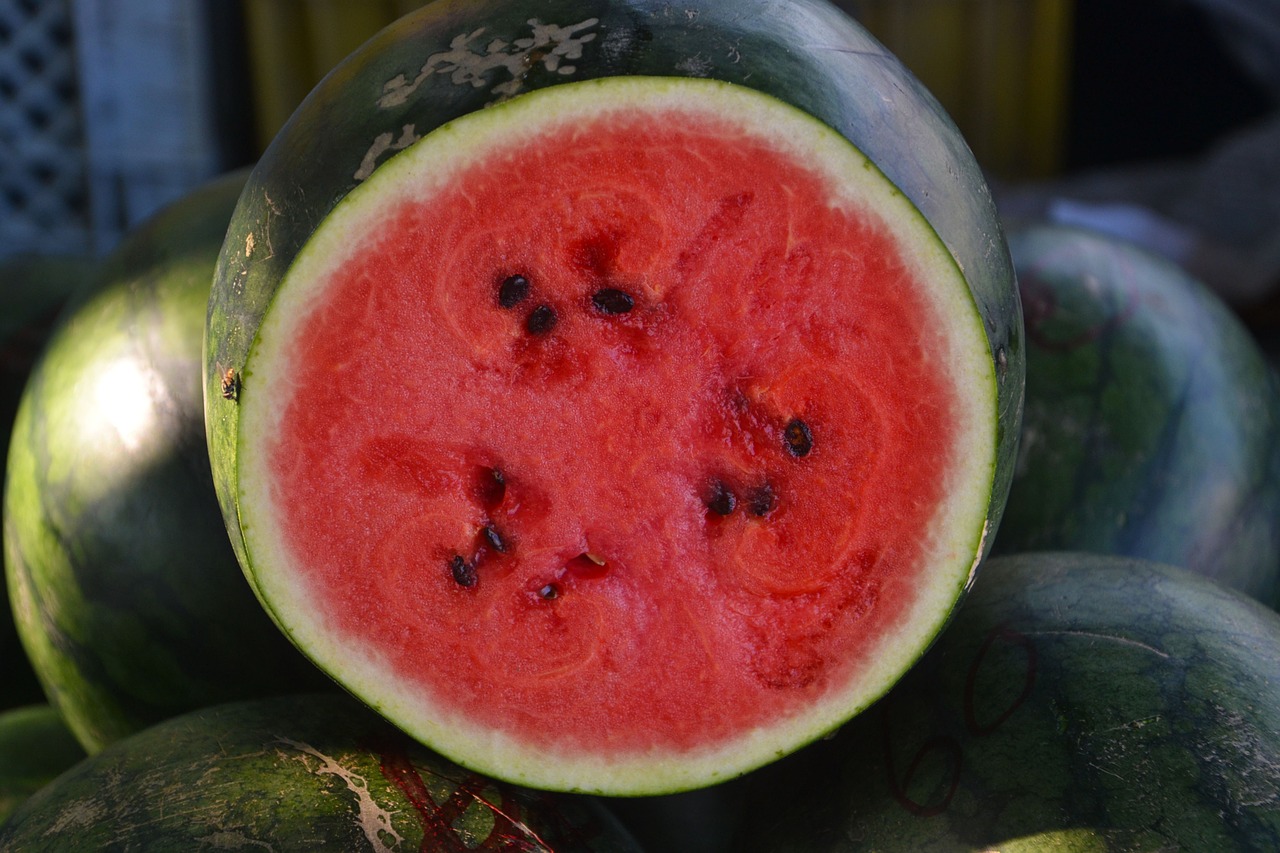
{"points": [[230, 384]]}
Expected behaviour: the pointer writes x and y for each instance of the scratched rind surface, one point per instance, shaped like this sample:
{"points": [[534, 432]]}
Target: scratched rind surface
{"points": [[1152, 419], [1078, 702], [453, 57], [127, 598], [311, 772]]}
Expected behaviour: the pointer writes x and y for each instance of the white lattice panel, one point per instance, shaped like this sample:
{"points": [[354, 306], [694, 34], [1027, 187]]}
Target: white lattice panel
{"points": [[43, 199]]}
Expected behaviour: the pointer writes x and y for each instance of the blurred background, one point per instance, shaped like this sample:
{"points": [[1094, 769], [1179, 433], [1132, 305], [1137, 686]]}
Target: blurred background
{"points": [[1155, 119]]}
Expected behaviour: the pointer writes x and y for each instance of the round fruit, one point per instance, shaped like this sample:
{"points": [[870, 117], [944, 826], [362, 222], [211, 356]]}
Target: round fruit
{"points": [[35, 747], [126, 593], [1078, 702], [631, 432], [33, 289], [1152, 420], [315, 773]]}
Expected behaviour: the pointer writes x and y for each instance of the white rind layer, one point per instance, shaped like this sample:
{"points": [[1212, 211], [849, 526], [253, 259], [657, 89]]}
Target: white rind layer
{"points": [[954, 540]]}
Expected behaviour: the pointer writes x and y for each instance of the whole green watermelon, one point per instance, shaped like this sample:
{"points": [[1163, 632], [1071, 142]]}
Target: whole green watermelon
{"points": [[1078, 702], [126, 593], [35, 747], [307, 773], [1152, 420], [33, 289]]}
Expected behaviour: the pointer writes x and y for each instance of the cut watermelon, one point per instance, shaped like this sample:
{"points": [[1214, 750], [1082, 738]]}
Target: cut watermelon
{"points": [[621, 437]]}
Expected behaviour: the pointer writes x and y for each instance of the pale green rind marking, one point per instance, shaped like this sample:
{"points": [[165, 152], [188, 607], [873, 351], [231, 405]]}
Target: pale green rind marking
{"points": [[374, 821]]}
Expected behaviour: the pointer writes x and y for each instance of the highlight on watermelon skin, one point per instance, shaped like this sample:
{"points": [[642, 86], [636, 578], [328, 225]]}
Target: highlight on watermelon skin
{"points": [[1152, 419], [589, 619], [127, 597]]}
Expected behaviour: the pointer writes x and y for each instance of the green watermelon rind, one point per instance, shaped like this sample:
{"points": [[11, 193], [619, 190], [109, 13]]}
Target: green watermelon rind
{"points": [[958, 538], [126, 595], [1079, 701], [1152, 418], [314, 772], [35, 747]]}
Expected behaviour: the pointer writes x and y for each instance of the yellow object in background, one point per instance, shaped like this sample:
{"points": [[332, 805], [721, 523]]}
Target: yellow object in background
{"points": [[294, 43], [999, 67]]}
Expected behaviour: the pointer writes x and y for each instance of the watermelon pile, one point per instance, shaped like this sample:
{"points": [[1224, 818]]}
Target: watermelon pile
{"points": [[586, 428], [1152, 416]]}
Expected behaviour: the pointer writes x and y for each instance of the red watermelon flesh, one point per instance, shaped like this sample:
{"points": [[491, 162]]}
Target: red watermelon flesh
{"points": [[630, 437]]}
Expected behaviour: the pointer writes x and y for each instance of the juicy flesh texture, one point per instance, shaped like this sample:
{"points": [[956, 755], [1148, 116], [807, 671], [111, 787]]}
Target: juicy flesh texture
{"points": [[756, 302]]}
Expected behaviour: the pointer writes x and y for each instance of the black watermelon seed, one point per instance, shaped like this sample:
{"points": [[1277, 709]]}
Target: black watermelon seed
{"points": [[610, 300], [494, 538], [798, 438], [762, 500], [513, 290], [541, 320], [721, 501], [463, 572], [550, 591]]}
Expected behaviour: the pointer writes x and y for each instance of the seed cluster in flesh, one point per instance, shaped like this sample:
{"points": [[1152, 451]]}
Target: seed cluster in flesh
{"points": [[632, 423]]}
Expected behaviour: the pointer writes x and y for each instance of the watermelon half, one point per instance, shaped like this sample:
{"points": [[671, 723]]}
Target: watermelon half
{"points": [[619, 437]]}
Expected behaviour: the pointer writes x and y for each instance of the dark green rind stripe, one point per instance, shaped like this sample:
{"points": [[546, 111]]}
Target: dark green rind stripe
{"points": [[436, 65], [127, 596], [315, 773], [1152, 424], [1078, 702]]}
